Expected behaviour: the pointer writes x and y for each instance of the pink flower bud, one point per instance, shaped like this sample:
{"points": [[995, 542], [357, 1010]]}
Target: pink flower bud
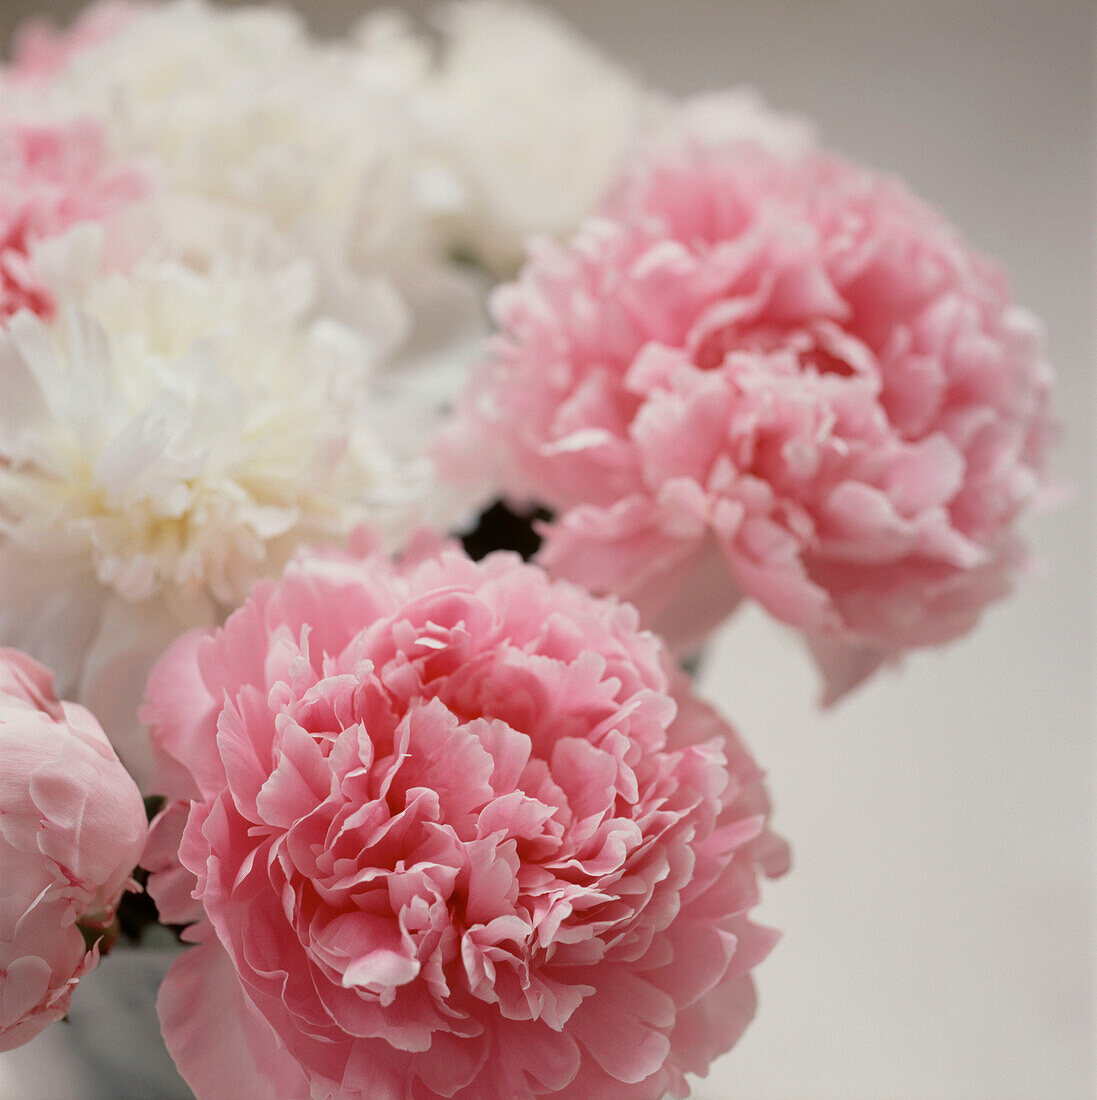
{"points": [[72, 827]]}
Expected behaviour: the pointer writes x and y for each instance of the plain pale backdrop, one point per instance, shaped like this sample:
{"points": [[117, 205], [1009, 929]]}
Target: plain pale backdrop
{"points": [[939, 920]]}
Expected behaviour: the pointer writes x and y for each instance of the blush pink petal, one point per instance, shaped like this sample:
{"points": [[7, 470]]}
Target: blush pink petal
{"points": [[41, 51], [177, 692], [171, 885], [239, 1054]]}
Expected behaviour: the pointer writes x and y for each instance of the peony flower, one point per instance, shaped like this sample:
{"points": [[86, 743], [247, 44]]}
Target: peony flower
{"points": [[168, 439], [52, 177], [454, 830], [767, 373], [72, 826], [274, 147], [529, 122]]}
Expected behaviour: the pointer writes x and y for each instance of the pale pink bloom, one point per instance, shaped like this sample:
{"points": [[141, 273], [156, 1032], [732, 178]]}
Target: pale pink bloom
{"points": [[72, 826], [457, 831], [41, 50], [769, 373], [52, 176]]}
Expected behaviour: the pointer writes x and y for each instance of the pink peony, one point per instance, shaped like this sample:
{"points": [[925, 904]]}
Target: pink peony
{"points": [[51, 177], [456, 832], [769, 373], [72, 826]]}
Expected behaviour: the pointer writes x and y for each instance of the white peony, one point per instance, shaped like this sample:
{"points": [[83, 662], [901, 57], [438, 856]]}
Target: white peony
{"points": [[166, 441], [238, 105], [270, 144], [531, 121]]}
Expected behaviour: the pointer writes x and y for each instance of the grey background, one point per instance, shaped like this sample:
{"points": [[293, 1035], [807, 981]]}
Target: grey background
{"points": [[939, 922]]}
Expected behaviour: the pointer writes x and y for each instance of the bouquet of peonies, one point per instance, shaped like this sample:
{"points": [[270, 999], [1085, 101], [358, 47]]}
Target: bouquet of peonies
{"points": [[280, 321]]}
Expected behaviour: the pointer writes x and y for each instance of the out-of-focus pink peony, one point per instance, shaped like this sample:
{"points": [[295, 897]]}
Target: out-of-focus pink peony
{"points": [[72, 827], [52, 176], [768, 373], [41, 50], [455, 833]]}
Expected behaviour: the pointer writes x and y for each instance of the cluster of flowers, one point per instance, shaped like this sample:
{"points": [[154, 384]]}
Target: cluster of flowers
{"points": [[438, 827]]}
